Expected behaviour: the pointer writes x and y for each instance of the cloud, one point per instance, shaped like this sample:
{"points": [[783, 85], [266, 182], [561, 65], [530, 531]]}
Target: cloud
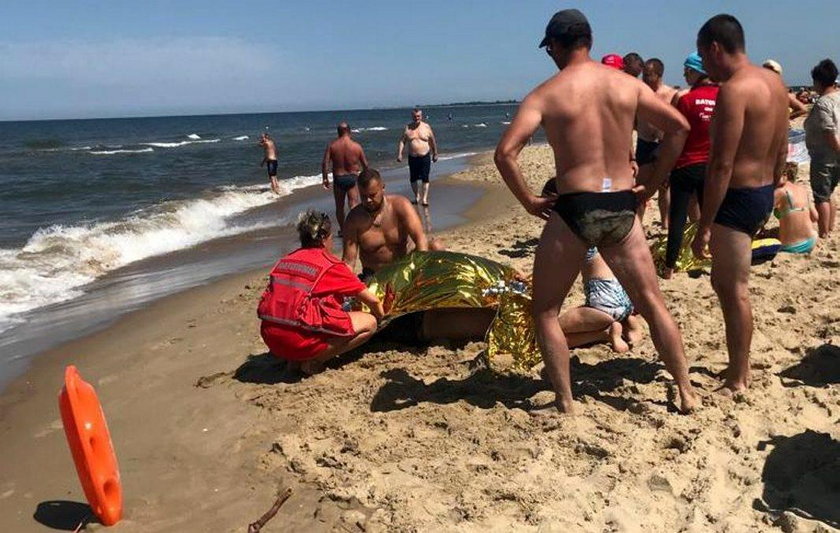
{"points": [[130, 74]]}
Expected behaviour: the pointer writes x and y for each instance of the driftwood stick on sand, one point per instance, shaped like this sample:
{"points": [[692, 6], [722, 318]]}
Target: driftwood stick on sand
{"points": [[258, 525]]}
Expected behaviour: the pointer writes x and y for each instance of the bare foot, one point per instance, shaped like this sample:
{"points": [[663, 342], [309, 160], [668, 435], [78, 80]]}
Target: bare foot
{"points": [[632, 330], [618, 344], [689, 401], [563, 407]]}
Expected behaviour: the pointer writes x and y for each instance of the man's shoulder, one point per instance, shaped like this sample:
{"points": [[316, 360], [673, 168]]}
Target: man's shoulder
{"points": [[399, 202], [356, 214]]}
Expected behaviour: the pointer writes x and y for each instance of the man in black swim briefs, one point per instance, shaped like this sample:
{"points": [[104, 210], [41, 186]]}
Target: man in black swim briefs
{"points": [[748, 151], [347, 158], [270, 160], [587, 111]]}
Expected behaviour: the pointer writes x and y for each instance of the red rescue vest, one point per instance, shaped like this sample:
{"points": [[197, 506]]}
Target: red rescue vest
{"points": [[288, 298]]}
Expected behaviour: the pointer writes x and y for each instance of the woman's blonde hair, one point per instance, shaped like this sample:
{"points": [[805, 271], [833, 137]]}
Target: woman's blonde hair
{"points": [[313, 228]]}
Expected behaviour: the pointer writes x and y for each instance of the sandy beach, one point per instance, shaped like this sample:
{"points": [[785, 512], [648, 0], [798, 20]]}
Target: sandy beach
{"points": [[396, 439]]}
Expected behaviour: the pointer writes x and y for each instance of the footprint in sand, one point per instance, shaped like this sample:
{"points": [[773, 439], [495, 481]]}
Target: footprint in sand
{"points": [[55, 425]]}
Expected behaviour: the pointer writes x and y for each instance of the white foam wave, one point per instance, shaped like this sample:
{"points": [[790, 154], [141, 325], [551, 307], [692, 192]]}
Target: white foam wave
{"points": [[112, 152], [241, 138], [456, 156], [58, 261], [372, 128], [67, 149], [505, 122], [194, 136], [480, 125], [180, 143]]}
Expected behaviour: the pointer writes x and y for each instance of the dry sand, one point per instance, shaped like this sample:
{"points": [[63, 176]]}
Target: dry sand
{"points": [[399, 439]]}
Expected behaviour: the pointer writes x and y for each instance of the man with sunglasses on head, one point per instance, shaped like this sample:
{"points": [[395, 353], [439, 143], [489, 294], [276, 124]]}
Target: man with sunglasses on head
{"points": [[587, 112]]}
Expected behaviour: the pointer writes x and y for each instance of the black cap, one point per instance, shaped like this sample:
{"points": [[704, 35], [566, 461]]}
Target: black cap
{"points": [[566, 22]]}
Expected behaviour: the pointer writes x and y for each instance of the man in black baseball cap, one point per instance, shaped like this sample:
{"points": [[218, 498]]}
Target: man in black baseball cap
{"points": [[587, 111], [565, 26]]}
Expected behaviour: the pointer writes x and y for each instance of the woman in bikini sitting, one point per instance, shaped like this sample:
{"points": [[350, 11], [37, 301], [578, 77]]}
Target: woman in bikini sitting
{"points": [[797, 217]]}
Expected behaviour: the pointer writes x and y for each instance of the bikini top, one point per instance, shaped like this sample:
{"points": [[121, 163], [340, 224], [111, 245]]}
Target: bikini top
{"points": [[785, 211]]}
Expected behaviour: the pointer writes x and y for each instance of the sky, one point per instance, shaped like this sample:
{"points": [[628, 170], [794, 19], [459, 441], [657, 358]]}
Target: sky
{"points": [[85, 59]]}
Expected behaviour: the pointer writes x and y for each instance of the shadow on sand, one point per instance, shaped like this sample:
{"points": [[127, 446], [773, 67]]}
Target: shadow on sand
{"points": [[819, 367], [521, 248], [64, 515], [802, 476], [484, 388]]}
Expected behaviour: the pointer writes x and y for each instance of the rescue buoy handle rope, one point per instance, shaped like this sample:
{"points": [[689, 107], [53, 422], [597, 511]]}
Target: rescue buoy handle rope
{"points": [[83, 523], [255, 527]]}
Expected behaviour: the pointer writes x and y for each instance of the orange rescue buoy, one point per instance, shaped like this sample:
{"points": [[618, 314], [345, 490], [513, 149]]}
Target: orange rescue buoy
{"points": [[90, 443]]}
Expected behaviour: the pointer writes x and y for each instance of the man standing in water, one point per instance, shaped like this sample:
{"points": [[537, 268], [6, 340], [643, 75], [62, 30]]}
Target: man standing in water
{"points": [[647, 143], [748, 151], [347, 158], [422, 151], [270, 159], [587, 112]]}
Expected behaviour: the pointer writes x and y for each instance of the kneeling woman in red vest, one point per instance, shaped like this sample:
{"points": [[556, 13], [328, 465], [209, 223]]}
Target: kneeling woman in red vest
{"points": [[301, 309]]}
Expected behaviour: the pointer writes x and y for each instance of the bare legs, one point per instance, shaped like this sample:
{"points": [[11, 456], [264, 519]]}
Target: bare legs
{"points": [[731, 255], [632, 264], [364, 324], [585, 325], [826, 213], [556, 265], [421, 192], [275, 186], [352, 196]]}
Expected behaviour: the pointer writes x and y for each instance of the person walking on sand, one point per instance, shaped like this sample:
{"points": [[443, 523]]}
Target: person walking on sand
{"points": [[748, 151], [347, 158], [422, 152], [270, 160], [587, 111]]}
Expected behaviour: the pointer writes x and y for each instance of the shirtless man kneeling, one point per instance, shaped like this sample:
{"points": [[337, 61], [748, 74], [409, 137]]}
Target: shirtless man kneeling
{"points": [[378, 231], [587, 112]]}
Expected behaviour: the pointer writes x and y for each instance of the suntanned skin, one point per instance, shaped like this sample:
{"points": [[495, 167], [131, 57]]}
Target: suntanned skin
{"points": [[378, 229], [421, 140], [347, 157], [270, 154], [748, 149], [587, 111], [649, 132], [796, 226]]}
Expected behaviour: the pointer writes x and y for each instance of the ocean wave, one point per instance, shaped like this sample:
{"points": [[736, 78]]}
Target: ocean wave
{"points": [[480, 125], [56, 262], [456, 156], [179, 143], [112, 152], [372, 128], [505, 122], [241, 138], [194, 136]]}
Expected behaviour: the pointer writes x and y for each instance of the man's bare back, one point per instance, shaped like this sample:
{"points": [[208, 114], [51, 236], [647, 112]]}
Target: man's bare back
{"points": [[347, 156], [587, 112]]}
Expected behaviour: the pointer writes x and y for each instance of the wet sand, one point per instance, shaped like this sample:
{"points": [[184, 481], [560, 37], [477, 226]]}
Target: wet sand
{"points": [[399, 439]]}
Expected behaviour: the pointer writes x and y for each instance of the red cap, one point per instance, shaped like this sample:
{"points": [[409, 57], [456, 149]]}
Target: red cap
{"points": [[614, 61]]}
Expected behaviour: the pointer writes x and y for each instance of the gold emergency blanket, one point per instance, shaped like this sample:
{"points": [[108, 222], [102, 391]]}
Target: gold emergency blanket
{"points": [[685, 260], [423, 281]]}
